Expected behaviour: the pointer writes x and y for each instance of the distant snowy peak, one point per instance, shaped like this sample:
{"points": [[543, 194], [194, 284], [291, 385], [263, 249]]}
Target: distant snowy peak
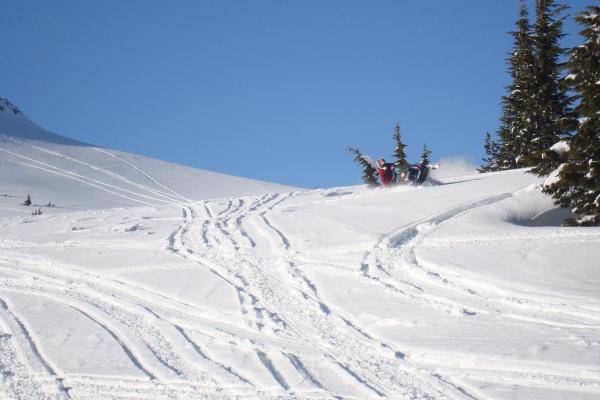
{"points": [[6, 107], [15, 124]]}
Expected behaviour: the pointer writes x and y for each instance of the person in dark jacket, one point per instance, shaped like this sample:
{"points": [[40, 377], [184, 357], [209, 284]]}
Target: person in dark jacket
{"points": [[385, 171]]}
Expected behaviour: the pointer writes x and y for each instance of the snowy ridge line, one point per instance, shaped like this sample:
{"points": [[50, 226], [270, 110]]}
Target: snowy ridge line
{"points": [[143, 173], [379, 388], [165, 197], [23, 335], [86, 180], [102, 170]]}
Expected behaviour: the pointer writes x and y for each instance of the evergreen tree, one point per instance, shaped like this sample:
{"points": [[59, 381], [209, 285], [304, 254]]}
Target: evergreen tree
{"points": [[492, 149], [399, 152], [27, 200], [516, 132], [577, 185], [425, 153], [369, 173], [552, 119]]}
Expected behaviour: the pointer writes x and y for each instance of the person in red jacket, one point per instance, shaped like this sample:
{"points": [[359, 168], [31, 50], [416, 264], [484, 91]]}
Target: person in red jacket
{"points": [[385, 171]]}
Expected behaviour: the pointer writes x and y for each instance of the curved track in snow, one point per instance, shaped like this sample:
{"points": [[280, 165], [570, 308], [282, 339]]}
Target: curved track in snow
{"points": [[287, 339]]}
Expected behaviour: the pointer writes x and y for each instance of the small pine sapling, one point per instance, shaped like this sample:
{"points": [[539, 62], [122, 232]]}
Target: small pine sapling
{"points": [[425, 153], [27, 200], [492, 149], [399, 152], [369, 173]]}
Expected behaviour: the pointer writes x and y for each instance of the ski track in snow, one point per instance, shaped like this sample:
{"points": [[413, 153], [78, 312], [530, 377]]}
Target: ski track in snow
{"points": [[294, 333]]}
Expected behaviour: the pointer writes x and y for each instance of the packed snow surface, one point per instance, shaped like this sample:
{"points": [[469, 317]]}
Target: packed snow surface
{"points": [[468, 289], [78, 176]]}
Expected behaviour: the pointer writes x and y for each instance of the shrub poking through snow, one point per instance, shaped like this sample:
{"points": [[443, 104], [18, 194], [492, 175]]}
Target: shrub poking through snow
{"points": [[576, 183], [369, 175]]}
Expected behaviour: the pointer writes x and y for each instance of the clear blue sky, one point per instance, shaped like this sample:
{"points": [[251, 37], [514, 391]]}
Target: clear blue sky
{"points": [[272, 90]]}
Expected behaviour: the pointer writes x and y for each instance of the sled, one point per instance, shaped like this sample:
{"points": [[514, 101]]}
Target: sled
{"points": [[417, 174]]}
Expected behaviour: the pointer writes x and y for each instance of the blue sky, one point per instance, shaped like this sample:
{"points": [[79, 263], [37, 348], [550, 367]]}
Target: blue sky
{"points": [[272, 90]]}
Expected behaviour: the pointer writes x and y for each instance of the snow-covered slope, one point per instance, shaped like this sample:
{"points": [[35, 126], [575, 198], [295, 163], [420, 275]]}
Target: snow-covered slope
{"points": [[463, 290], [76, 176]]}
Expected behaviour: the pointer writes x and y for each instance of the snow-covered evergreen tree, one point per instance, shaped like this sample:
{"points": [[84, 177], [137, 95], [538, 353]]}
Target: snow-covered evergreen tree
{"points": [[425, 153], [369, 173], [577, 182], [27, 201], [399, 152], [552, 119], [492, 150], [515, 133]]}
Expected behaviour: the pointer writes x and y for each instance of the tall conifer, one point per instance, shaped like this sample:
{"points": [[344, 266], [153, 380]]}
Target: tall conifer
{"points": [[552, 118], [516, 132], [491, 154], [425, 153], [577, 184]]}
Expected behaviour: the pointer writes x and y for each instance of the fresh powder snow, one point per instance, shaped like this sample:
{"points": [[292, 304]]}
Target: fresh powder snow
{"points": [[150, 280]]}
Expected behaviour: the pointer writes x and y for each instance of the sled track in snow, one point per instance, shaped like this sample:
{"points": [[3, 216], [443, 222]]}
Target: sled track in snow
{"points": [[286, 303], [394, 263], [142, 326], [286, 324], [142, 193], [37, 361]]}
